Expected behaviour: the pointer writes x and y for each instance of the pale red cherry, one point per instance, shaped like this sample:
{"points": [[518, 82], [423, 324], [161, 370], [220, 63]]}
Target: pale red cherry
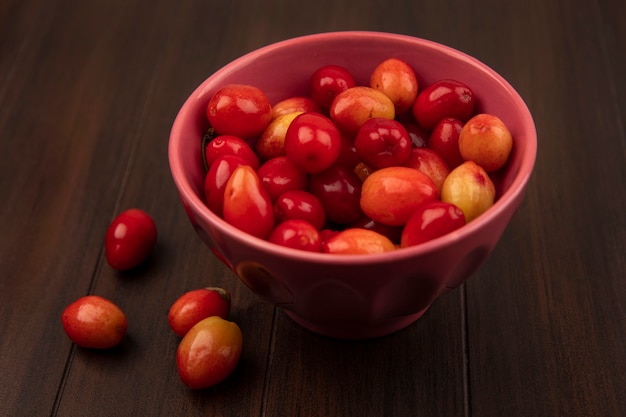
{"points": [[94, 322], [298, 104], [354, 106], [396, 79], [391, 195], [271, 143], [209, 352], [357, 241], [469, 187], [486, 140]]}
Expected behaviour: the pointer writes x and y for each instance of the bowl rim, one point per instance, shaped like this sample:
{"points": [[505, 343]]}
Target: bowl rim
{"points": [[199, 208]]}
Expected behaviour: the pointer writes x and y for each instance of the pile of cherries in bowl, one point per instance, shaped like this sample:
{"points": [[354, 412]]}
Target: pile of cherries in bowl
{"points": [[352, 169]]}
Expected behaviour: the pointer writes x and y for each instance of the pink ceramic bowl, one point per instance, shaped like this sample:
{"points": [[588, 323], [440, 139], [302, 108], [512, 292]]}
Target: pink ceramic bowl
{"points": [[353, 296]]}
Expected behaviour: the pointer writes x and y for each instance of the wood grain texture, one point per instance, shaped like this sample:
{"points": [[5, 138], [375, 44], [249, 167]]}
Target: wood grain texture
{"points": [[88, 93]]}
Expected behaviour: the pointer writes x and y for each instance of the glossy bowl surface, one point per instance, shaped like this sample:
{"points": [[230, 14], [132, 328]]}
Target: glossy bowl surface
{"points": [[353, 296]]}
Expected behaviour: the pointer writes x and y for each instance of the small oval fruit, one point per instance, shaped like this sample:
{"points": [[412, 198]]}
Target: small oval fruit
{"points": [[129, 239], [312, 142], [240, 110], [195, 305], [247, 205], [396, 79], [469, 187], [354, 106], [94, 322], [209, 352], [390, 195], [430, 163], [357, 241], [339, 191], [297, 234], [430, 221], [299, 204], [230, 145], [216, 179], [327, 82], [443, 98], [382, 143], [486, 140], [444, 139], [271, 143], [279, 175], [298, 104]]}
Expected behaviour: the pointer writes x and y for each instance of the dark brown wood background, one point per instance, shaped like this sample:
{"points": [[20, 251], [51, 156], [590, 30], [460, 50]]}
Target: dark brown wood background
{"points": [[88, 93]]}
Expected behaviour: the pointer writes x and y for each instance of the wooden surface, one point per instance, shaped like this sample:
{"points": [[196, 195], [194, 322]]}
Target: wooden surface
{"points": [[88, 93]]}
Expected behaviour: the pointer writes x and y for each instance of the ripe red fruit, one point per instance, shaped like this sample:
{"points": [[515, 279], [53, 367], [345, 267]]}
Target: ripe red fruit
{"points": [[129, 239], [209, 352], [396, 79], [247, 205], [354, 106], [382, 143], [296, 104], [486, 140], [430, 221], [216, 179], [195, 305], [239, 110], [390, 195], [430, 163], [279, 175], [339, 191], [230, 145], [299, 204], [312, 142], [444, 98], [94, 322], [328, 81], [297, 234], [357, 241], [444, 140]]}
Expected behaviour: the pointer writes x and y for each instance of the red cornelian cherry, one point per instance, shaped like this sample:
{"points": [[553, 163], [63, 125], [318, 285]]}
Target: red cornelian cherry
{"points": [[312, 142], [328, 81], [129, 239], [443, 98], [382, 143]]}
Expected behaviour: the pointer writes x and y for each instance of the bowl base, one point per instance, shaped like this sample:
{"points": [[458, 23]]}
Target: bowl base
{"points": [[356, 330]]}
